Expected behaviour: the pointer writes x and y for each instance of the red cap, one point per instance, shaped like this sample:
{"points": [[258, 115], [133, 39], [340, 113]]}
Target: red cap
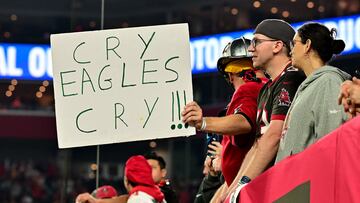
{"points": [[138, 170], [105, 191]]}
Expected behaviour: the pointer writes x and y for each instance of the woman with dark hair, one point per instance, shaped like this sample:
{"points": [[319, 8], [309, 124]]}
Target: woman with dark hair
{"points": [[314, 111]]}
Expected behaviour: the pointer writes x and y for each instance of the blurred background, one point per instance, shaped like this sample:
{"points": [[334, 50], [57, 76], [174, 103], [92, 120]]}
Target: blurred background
{"points": [[33, 169]]}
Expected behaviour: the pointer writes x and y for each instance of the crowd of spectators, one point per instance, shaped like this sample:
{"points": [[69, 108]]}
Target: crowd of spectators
{"points": [[27, 181]]}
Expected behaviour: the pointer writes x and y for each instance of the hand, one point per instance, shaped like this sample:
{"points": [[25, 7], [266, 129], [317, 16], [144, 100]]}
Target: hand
{"points": [[356, 80], [354, 95], [344, 94], [208, 167], [85, 198], [350, 97], [192, 114], [216, 164], [215, 148]]}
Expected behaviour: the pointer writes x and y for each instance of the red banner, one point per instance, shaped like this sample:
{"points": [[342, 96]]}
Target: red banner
{"points": [[328, 171]]}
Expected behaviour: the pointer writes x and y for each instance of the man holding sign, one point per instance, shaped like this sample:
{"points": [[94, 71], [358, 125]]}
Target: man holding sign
{"points": [[238, 126]]}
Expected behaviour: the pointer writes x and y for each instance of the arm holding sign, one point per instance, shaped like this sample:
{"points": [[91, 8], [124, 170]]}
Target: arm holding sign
{"points": [[232, 124]]}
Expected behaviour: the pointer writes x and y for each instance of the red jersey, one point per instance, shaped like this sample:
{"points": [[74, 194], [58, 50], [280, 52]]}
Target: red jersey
{"points": [[235, 147]]}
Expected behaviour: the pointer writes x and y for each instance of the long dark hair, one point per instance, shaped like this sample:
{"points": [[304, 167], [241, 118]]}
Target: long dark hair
{"points": [[322, 40]]}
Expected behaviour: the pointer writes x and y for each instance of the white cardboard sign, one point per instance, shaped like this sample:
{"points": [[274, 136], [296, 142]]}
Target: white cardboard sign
{"points": [[121, 85]]}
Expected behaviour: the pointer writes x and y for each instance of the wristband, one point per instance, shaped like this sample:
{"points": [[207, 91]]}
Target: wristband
{"points": [[203, 124]]}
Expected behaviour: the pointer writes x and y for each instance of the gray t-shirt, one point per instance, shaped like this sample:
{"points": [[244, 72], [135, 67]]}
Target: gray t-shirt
{"points": [[314, 111]]}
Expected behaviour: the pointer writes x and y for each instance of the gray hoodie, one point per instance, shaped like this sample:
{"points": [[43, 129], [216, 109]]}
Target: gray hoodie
{"points": [[314, 111]]}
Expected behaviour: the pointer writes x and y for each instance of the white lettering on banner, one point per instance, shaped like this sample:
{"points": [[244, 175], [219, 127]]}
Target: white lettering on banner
{"points": [[248, 35], [357, 33], [198, 47], [13, 70], [347, 30], [37, 63], [205, 53], [212, 52], [192, 56], [49, 69], [8, 62], [329, 24], [3, 65], [223, 42]]}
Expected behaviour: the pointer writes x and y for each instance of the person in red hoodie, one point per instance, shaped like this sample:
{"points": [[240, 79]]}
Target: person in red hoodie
{"points": [[138, 182]]}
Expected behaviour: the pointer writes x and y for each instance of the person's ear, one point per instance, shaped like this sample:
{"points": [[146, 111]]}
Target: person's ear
{"points": [[163, 173], [307, 46], [126, 184], [278, 45]]}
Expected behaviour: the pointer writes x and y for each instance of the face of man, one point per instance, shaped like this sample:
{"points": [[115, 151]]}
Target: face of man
{"points": [[262, 48], [157, 173], [126, 184], [235, 80]]}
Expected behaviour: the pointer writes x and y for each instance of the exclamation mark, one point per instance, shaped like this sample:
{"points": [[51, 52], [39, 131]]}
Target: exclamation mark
{"points": [[172, 110], [186, 125], [179, 126]]}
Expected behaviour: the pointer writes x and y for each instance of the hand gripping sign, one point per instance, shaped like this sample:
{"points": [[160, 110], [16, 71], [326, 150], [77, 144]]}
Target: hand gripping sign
{"points": [[121, 85]]}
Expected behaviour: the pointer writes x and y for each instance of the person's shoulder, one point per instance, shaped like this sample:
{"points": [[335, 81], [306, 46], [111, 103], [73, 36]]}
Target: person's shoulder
{"points": [[140, 197], [248, 90], [264, 87], [330, 78], [292, 72], [252, 85], [337, 74], [293, 75]]}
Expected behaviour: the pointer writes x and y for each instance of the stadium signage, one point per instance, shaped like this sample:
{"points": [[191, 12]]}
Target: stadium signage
{"points": [[25, 62], [33, 62], [206, 50]]}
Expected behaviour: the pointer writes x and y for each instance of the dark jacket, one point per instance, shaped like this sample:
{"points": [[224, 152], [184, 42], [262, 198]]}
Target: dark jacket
{"points": [[208, 187], [169, 193]]}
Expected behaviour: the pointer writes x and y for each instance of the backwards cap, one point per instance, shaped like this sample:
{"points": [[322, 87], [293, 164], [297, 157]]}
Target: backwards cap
{"points": [[104, 192], [276, 29]]}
